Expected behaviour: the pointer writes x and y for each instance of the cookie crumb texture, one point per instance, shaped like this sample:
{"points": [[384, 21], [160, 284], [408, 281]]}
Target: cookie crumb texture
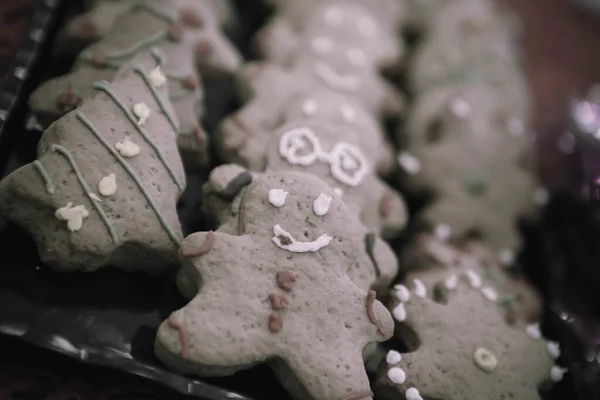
{"points": [[462, 348]]}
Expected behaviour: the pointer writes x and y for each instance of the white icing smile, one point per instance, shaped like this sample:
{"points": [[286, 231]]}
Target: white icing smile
{"points": [[301, 146], [284, 240], [335, 80]]}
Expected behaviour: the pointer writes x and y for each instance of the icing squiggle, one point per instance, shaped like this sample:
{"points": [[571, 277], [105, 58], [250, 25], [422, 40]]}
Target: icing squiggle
{"points": [[47, 180], [88, 124], [104, 87], [163, 107], [65, 153]]}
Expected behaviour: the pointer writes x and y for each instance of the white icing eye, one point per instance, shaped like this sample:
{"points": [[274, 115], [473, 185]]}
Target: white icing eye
{"points": [[348, 112], [367, 27], [334, 16], [309, 107], [321, 45], [460, 108], [356, 56], [277, 197], [322, 204]]}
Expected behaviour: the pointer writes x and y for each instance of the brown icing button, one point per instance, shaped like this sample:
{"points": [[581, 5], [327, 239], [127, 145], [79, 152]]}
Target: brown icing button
{"points": [[278, 302], [98, 59], [175, 32], [275, 323], [87, 30], [191, 18], [190, 82], [203, 48], [285, 280]]}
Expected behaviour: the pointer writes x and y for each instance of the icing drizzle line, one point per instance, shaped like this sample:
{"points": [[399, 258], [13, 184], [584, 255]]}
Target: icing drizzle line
{"points": [[104, 87], [140, 71], [47, 180], [88, 124], [64, 152]]}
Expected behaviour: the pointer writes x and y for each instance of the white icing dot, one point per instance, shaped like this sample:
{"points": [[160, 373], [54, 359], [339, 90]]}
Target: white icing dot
{"points": [[157, 77], [356, 56], [442, 231], [557, 373], [338, 191], [553, 349], [334, 16], [506, 257], [396, 375], [393, 357], [277, 197], [402, 293], [74, 215], [95, 197], [460, 108], [348, 112], [321, 45], [420, 289], [541, 197], [451, 282], [141, 111], [485, 360], [412, 394], [108, 185], [309, 107], [585, 115], [321, 204], [489, 293], [533, 330], [367, 26], [474, 278], [399, 313], [295, 246], [127, 148], [409, 162]]}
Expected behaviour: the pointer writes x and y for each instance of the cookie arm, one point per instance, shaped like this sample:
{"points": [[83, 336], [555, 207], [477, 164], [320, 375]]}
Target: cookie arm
{"points": [[276, 41]]}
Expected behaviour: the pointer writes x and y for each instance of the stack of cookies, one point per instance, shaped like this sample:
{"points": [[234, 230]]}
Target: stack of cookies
{"points": [[300, 210]]}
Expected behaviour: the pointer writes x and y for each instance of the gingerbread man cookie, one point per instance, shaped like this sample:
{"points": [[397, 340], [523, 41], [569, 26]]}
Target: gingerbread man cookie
{"points": [[329, 107], [229, 200], [331, 24], [101, 16], [278, 294], [104, 188], [460, 346]]}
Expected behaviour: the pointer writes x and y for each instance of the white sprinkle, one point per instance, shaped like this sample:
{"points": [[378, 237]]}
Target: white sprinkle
{"points": [[338, 191], [541, 197], [474, 278], [321, 45], [95, 197], [442, 231], [367, 26], [108, 185], [506, 257], [489, 293], [533, 330], [553, 349], [74, 215], [409, 163], [157, 77], [413, 394], [322, 204], [20, 73], [127, 148], [348, 112], [460, 108], [399, 313], [516, 127], [277, 197], [420, 289], [393, 357], [451, 282], [396, 375], [402, 293], [557, 373], [356, 56], [296, 246], [141, 111], [309, 107]]}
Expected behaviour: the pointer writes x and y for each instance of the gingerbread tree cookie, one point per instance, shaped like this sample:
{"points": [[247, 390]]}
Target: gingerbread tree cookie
{"points": [[104, 188], [101, 16], [329, 107], [331, 24], [276, 291], [461, 347]]}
